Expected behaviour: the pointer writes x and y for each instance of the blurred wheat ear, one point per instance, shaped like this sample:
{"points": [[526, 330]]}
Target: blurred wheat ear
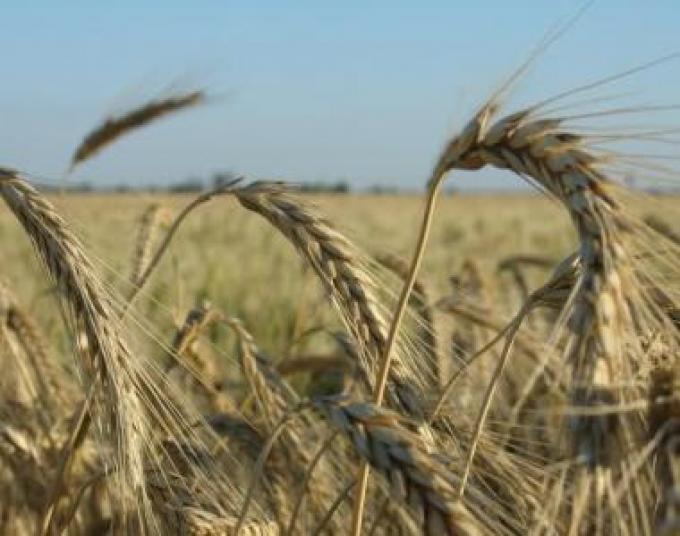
{"points": [[115, 127]]}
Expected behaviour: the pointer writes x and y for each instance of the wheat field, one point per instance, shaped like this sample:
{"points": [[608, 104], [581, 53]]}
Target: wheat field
{"points": [[221, 251], [258, 360]]}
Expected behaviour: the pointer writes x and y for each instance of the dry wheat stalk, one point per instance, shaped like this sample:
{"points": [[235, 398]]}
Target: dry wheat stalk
{"points": [[170, 234], [115, 127], [110, 360], [336, 262], [422, 302], [561, 163], [597, 314]]}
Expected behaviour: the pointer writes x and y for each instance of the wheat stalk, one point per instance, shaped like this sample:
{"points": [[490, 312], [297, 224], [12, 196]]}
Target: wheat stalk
{"points": [[110, 360], [596, 312], [336, 263], [423, 304]]}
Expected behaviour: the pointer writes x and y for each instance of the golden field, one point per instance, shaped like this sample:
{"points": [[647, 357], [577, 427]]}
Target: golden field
{"points": [[235, 327], [234, 259]]}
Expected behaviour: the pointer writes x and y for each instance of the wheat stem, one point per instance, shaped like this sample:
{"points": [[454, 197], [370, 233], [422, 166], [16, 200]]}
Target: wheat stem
{"points": [[379, 391]]}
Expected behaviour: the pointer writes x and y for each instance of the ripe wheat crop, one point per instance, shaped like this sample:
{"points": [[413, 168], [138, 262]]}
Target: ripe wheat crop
{"points": [[261, 361]]}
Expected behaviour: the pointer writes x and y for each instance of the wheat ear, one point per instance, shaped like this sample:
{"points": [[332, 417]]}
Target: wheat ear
{"points": [[115, 127], [149, 225], [415, 477], [336, 262], [563, 165]]}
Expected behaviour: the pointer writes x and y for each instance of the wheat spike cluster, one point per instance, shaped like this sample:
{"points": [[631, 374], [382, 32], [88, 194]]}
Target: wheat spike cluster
{"points": [[535, 398]]}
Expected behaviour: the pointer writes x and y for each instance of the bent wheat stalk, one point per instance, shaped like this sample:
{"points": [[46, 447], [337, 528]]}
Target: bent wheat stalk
{"points": [[336, 263], [451, 153], [596, 312], [174, 227], [110, 360]]}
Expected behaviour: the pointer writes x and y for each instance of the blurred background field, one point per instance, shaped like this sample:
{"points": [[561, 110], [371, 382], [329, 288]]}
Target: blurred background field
{"points": [[236, 261]]}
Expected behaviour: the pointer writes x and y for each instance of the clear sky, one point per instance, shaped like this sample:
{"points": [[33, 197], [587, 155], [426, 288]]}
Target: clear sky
{"points": [[365, 91]]}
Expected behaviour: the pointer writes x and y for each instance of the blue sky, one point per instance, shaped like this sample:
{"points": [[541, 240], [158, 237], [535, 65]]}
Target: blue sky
{"points": [[365, 91]]}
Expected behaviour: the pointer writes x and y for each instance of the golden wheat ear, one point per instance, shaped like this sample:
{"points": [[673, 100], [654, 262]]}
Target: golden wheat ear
{"points": [[125, 404], [336, 261], [609, 306]]}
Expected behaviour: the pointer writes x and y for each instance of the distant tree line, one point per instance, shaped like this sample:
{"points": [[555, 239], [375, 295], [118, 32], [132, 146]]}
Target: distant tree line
{"points": [[197, 184], [194, 185]]}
